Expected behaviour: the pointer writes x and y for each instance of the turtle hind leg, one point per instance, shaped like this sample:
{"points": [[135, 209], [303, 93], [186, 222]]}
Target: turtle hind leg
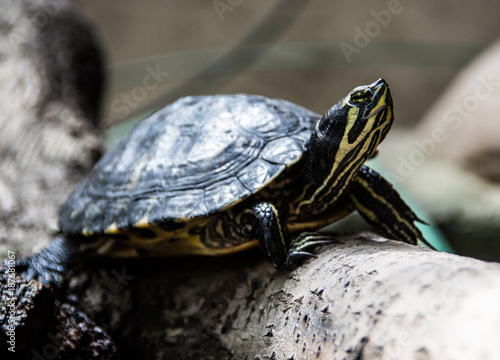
{"points": [[261, 221], [52, 263], [382, 207]]}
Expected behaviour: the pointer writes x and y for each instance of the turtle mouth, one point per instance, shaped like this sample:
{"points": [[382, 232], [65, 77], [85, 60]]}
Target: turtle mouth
{"points": [[375, 112]]}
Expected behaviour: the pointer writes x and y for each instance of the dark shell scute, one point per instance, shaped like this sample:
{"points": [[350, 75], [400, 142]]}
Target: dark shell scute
{"points": [[283, 150], [195, 156], [187, 203], [224, 192], [261, 172], [144, 208]]}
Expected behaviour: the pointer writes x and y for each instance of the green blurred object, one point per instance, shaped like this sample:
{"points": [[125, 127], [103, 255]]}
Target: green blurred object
{"points": [[118, 131]]}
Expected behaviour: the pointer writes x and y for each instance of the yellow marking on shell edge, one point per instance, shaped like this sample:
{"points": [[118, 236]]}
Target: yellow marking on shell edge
{"points": [[190, 245], [142, 223], [219, 228], [87, 232], [112, 229], [163, 237]]}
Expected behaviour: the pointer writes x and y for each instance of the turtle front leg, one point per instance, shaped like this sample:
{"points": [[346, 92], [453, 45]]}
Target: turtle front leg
{"points": [[261, 221], [382, 207]]}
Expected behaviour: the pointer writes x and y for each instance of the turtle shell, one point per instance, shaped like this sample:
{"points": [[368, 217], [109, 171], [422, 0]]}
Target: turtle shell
{"points": [[195, 157]]}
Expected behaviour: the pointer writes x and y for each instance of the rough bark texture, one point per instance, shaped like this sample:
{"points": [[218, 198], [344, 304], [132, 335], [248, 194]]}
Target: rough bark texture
{"points": [[44, 328], [360, 299]]}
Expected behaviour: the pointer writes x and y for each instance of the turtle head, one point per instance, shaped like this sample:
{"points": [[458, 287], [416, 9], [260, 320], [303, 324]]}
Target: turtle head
{"points": [[354, 128], [344, 138], [350, 132]]}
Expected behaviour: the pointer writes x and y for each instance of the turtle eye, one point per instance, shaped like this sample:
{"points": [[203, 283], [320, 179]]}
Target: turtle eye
{"points": [[360, 97]]}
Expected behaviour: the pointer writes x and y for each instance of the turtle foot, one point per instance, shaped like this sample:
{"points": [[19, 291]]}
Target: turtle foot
{"points": [[302, 245]]}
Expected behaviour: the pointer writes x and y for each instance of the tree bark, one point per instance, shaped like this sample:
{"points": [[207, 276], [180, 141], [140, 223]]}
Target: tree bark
{"points": [[361, 298]]}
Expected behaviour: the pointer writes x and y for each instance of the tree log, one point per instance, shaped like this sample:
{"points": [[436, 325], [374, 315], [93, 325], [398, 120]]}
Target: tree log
{"points": [[360, 299]]}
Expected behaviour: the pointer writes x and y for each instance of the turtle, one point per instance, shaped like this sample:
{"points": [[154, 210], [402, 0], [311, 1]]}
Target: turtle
{"points": [[218, 174]]}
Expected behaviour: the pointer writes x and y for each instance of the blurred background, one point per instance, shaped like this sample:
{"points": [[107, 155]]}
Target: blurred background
{"points": [[310, 53], [313, 53]]}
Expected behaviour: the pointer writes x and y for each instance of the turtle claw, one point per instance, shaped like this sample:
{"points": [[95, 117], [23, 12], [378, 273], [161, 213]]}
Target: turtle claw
{"points": [[295, 258], [300, 245]]}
